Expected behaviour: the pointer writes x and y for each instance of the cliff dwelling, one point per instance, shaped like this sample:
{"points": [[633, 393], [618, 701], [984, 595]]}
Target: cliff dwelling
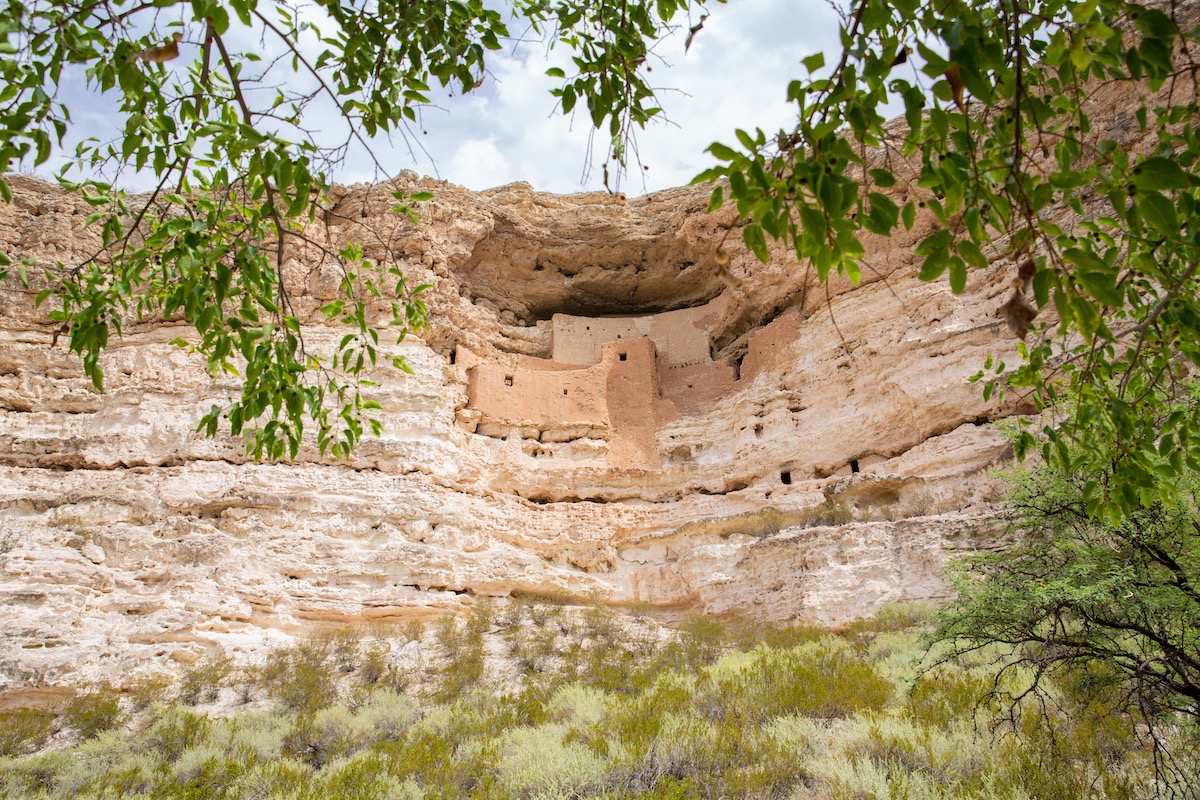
{"points": [[611, 382], [620, 424]]}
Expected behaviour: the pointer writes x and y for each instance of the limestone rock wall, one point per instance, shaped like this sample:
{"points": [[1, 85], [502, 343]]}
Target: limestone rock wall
{"points": [[774, 448]]}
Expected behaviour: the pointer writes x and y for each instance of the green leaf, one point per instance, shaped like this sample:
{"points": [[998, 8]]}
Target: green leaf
{"points": [[971, 254], [556, 72], [717, 200], [936, 242], [814, 62], [1043, 281], [934, 265], [958, 275], [882, 178], [1159, 213], [1159, 173], [883, 216], [723, 152], [752, 234]]}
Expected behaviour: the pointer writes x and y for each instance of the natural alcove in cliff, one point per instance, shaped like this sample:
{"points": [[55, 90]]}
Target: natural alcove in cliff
{"points": [[600, 258]]}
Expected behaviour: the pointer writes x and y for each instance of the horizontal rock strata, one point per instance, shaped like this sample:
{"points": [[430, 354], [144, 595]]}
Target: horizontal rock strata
{"points": [[595, 411]]}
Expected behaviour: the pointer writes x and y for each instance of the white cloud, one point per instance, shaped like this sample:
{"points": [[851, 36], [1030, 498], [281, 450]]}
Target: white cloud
{"points": [[734, 75], [481, 159]]}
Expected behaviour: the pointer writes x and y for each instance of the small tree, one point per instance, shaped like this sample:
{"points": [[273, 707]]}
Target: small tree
{"points": [[1080, 595]]}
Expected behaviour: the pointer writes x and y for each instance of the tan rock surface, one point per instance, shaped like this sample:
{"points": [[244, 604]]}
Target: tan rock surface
{"points": [[709, 465]]}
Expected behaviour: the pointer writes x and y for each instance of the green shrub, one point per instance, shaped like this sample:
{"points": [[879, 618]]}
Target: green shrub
{"points": [[824, 679], [943, 697], [375, 663], [149, 690], [890, 618], [426, 756], [462, 647], [702, 641], [577, 706], [198, 764], [331, 733], [255, 736], [93, 709], [23, 730], [386, 714], [343, 644], [301, 677], [829, 513], [717, 759], [365, 776], [176, 729], [903, 745], [203, 681], [35, 776], [282, 779], [529, 706], [669, 787], [245, 682], [635, 721], [620, 714], [746, 634], [109, 763], [1036, 765], [536, 763]]}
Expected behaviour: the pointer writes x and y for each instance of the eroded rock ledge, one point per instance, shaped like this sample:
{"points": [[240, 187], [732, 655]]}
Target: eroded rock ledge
{"points": [[594, 411]]}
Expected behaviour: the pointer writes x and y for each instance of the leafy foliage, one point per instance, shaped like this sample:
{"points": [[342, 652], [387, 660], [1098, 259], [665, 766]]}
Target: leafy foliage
{"points": [[203, 92], [93, 710], [1108, 609], [1000, 154], [24, 729]]}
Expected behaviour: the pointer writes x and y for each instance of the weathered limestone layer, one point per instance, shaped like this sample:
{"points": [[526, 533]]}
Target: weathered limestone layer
{"points": [[594, 411]]}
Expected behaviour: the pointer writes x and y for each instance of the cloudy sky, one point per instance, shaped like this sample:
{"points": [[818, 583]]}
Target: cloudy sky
{"points": [[734, 75]]}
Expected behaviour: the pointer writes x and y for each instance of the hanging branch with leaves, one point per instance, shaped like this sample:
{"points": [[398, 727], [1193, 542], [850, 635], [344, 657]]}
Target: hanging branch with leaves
{"points": [[218, 102]]}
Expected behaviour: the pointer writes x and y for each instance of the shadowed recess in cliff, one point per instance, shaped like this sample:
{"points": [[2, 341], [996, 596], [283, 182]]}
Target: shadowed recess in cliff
{"points": [[547, 257]]}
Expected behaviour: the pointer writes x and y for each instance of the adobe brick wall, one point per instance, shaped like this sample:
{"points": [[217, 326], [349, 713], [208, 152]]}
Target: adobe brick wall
{"points": [[620, 379], [771, 346], [680, 337], [695, 388], [544, 395], [633, 403]]}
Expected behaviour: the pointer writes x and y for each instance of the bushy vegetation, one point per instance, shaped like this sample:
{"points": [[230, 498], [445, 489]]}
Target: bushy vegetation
{"points": [[545, 700]]}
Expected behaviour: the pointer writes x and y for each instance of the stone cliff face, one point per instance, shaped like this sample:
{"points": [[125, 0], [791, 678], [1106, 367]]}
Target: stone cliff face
{"points": [[595, 411]]}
